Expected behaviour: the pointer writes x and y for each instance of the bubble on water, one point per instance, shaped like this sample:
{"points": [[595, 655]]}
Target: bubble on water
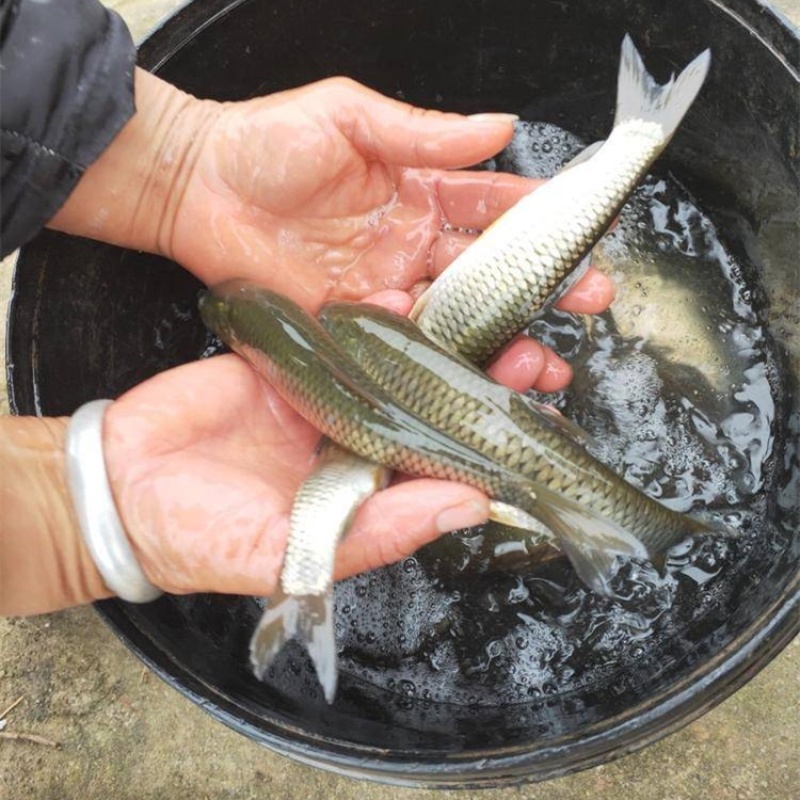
{"points": [[213, 346], [407, 688], [538, 150]]}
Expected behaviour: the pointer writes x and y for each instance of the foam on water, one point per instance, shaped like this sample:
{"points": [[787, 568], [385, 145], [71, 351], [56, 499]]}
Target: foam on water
{"points": [[678, 384]]}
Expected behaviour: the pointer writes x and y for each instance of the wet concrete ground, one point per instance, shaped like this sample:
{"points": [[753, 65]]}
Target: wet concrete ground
{"points": [[123, 734]]}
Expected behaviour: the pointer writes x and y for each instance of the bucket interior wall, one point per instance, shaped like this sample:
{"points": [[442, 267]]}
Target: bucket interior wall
{"points": [[89, 320]]}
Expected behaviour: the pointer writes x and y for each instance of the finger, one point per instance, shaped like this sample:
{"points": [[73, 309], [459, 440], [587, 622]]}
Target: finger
{"points": [[393, 299], [591, 294], [476, 199], [555, 375], [519, 364], [525, 364], [401, 134], [396, 522], [446, 248]]}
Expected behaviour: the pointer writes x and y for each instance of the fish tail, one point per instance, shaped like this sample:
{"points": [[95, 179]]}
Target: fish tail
{"points": [[640, 97], [308, 618], [590, 541]]}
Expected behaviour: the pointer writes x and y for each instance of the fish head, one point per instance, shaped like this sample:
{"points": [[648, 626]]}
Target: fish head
{"points": [[215, 313], [237, 308], [265, 327]]}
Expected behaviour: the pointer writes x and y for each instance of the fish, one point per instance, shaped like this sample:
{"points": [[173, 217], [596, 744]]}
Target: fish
{"points": [[537, 249], [593, 514], [302, 606], [678, 325], [298, 357]]}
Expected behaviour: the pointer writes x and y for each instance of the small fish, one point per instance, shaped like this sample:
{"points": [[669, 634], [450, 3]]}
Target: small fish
{"points": [[300, 359], [593, 514], [533, 253], [302, 607]]}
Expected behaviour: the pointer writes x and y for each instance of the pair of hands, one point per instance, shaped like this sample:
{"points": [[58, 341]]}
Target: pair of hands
{"points": [[329, 191]]}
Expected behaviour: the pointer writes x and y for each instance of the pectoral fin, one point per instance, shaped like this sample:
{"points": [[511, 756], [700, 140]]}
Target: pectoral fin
{"points": [[513, 517]]}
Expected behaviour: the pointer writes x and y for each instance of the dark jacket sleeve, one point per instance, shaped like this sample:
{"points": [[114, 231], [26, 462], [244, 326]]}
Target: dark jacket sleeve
{"points": [[66, 89]]}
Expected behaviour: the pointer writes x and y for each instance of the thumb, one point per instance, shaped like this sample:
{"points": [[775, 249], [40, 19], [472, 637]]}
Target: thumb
{"points": [[396, 522], [404, 135]]}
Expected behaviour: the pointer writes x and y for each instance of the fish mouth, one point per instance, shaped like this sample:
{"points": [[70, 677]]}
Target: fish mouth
{"points": [[214, 311]]}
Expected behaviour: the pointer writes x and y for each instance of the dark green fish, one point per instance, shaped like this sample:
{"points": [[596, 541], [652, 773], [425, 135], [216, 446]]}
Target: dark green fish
{"points": [[298, 357], [592, 512]]}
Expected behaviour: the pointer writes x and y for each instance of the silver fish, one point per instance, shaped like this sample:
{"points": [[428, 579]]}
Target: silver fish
{"points": [[531, 255], [302, 607]]}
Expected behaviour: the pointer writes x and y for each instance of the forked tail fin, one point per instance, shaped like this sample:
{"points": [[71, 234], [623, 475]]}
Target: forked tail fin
{"points": [[640, 97], [308, 618]]}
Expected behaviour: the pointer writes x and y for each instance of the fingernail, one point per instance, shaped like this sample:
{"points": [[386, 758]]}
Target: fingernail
{"points": [[464, 515], [493, 118]]}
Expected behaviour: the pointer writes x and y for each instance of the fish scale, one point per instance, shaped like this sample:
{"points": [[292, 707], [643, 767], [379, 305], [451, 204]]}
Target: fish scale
{"points": [[308, 564]]}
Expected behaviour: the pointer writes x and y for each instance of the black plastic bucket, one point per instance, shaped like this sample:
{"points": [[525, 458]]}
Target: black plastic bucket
{"points": [[89, 320]]}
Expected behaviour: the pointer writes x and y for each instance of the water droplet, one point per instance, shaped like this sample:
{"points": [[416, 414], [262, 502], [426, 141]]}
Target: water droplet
{"points": [[407, 688]]}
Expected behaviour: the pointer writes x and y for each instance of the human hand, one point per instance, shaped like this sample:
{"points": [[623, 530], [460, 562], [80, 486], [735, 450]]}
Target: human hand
{"points": [[204, 462], [364, 200], [327, 191]]}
